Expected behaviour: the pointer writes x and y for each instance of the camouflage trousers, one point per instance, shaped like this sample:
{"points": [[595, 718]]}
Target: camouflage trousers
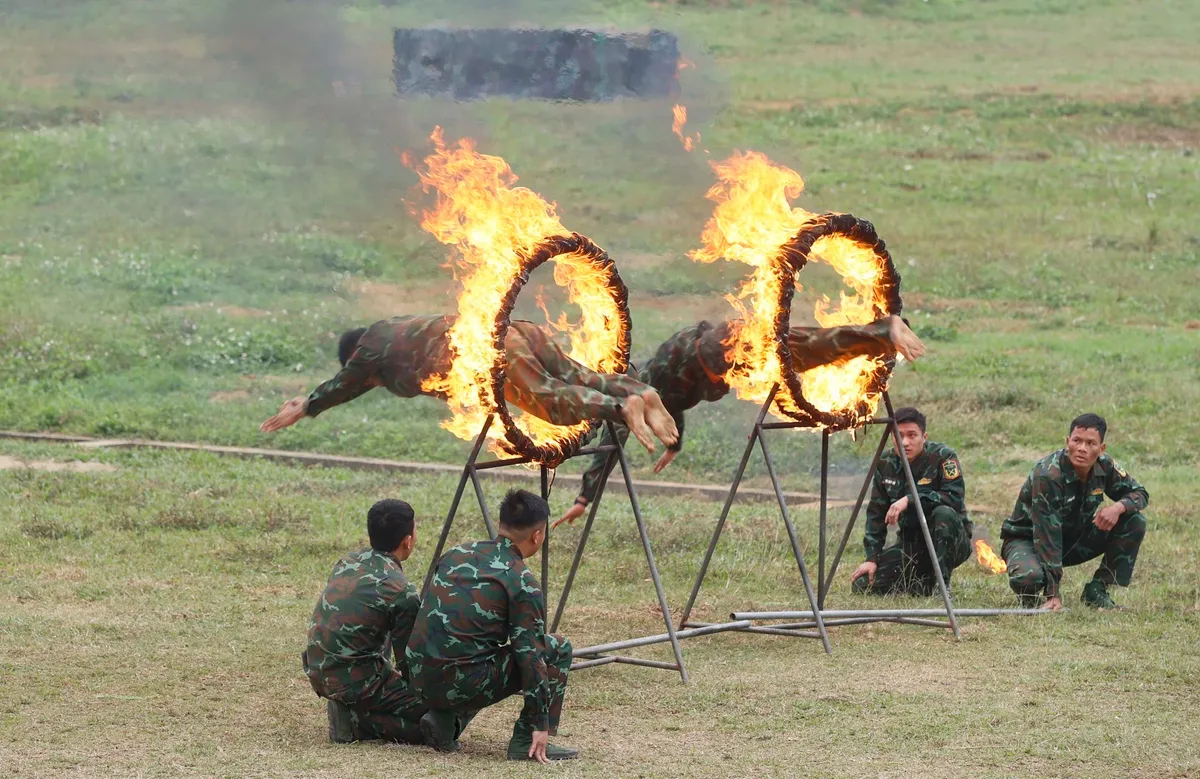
{"points": [[544, 381], [812, 347], [1118, 546], [905, 568], [467, 689], [384, 707]]}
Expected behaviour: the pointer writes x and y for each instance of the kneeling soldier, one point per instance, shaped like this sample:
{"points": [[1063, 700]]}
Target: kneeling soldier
{"points": [[367, 606], [905, 566], [1057, 520], [481, 637]]}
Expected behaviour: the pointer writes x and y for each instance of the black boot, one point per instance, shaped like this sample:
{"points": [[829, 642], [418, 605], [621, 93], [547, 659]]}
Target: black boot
{"points": [[341, 726], [438, 730]]}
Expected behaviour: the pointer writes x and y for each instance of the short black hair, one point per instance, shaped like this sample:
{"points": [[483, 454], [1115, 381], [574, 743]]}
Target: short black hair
{"points": [[1089, 422], [910, 414], [388, 523], [348, 343], [521, 510]]}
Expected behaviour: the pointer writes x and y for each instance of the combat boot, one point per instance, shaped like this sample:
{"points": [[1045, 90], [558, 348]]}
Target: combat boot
{"points": [[1095, 594], [522, 740], [438, 730], [341, 726], [861, 585]]}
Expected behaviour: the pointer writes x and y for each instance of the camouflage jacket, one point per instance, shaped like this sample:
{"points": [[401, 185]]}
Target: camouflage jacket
{"points": [[939, 480], [1054, 501], [366, 604], [397, 354], [689, 368], [482, 597]]}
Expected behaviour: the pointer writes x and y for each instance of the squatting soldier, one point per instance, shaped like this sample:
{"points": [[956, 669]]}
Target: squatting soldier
{"points": [[366, 607], [481, 637], [905, 566], [403, 352], [690, 366], [1058, 521]]}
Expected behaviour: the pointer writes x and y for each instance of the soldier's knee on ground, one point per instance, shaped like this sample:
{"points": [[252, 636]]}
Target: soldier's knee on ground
{"points": [[1131, 526], [1026, 582]]}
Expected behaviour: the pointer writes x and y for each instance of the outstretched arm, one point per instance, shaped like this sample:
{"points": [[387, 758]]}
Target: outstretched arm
{"points": [[358, 376]]}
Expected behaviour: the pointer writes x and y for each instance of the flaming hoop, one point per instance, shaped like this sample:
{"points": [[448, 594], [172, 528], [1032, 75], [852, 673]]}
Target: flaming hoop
{"points": [[754, 223], [559, 442], [502, 234], [857, 381]]}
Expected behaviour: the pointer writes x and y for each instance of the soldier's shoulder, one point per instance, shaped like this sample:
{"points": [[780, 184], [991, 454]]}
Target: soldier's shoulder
{"points": [[942, 451], [1050, 466], [1110, 465]]}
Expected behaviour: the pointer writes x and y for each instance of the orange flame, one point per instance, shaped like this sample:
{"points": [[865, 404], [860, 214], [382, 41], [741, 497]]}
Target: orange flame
{"points": [[752, 221], [493, 226], [987, 557], [680, 113]]}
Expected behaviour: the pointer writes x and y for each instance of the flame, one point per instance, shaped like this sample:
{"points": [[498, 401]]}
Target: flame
{"points": [[680, 114], [752, 221], [987, 557], [494, 226]]}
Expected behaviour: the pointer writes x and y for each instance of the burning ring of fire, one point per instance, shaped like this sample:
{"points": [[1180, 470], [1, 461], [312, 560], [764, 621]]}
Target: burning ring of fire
{"points": [[557, 442], [830, 234]]}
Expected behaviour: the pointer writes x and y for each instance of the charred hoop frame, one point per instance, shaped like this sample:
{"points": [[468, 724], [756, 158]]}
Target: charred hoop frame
{"points": [[794, 255], [516, 442]]}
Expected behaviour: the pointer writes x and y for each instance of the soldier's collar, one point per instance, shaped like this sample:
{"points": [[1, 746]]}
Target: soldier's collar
{"points": [[504, 542]]}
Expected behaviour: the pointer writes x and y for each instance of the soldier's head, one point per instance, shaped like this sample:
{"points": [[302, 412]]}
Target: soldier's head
{"points": [[912, 431], [523, 518], [347, 343], [1085, 441], [391, 528]]}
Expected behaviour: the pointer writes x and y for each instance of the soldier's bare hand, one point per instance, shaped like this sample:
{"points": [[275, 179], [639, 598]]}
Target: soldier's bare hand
{"points": [[289, 414], [575, 512], [537, 750], [868, 569], [1106, 518], [1052, 604], [665, 460], [895, 510]]}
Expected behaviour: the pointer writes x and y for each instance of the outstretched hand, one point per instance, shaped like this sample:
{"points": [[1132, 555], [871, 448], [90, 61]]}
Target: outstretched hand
{"points": [[289, 414], [575, 512], [665, 460]]}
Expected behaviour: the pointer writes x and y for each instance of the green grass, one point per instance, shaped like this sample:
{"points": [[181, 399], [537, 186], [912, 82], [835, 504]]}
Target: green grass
{"points": [[188, 217]]}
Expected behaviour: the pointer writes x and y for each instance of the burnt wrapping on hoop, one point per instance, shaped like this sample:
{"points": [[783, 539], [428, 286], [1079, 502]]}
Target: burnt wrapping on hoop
{"points": [[516, 442], [795, 255]]}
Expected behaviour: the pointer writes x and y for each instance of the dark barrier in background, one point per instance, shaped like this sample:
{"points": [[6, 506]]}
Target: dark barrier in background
{"points": [[582, 65]]}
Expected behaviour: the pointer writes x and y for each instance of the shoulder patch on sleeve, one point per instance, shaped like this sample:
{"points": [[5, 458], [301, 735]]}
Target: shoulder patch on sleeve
{"points": [[950, 469], [1120, 471]]}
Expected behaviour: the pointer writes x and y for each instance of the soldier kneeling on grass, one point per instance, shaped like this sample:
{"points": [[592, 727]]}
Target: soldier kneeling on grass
{"points": [[481, 637], [367, 606], [1058, 521], [905, 566]]}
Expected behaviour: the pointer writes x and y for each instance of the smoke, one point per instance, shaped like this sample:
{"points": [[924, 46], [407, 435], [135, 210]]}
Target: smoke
{"points": [[323, 74]]}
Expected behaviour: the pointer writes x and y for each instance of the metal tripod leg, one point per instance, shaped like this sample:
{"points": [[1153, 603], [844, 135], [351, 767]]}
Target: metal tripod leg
{"points": [[862, 494], [545, 473], [468, 473], [916, 502], [583, 539], [658, 588], [716, 536], [791, 530], [821, 584]]}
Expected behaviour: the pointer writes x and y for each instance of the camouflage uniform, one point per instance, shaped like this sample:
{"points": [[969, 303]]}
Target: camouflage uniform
{"points": [[481, 637], [689, 368], [1051, 525], [401, 352], [905, 566], [366, 606]]}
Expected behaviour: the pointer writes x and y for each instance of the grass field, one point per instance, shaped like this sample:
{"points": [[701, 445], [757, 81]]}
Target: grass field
{"points": [[188, 216]]}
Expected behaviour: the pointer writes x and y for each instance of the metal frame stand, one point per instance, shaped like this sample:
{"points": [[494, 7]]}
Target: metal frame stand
{"points": [[817, 616], [601, 654]]}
